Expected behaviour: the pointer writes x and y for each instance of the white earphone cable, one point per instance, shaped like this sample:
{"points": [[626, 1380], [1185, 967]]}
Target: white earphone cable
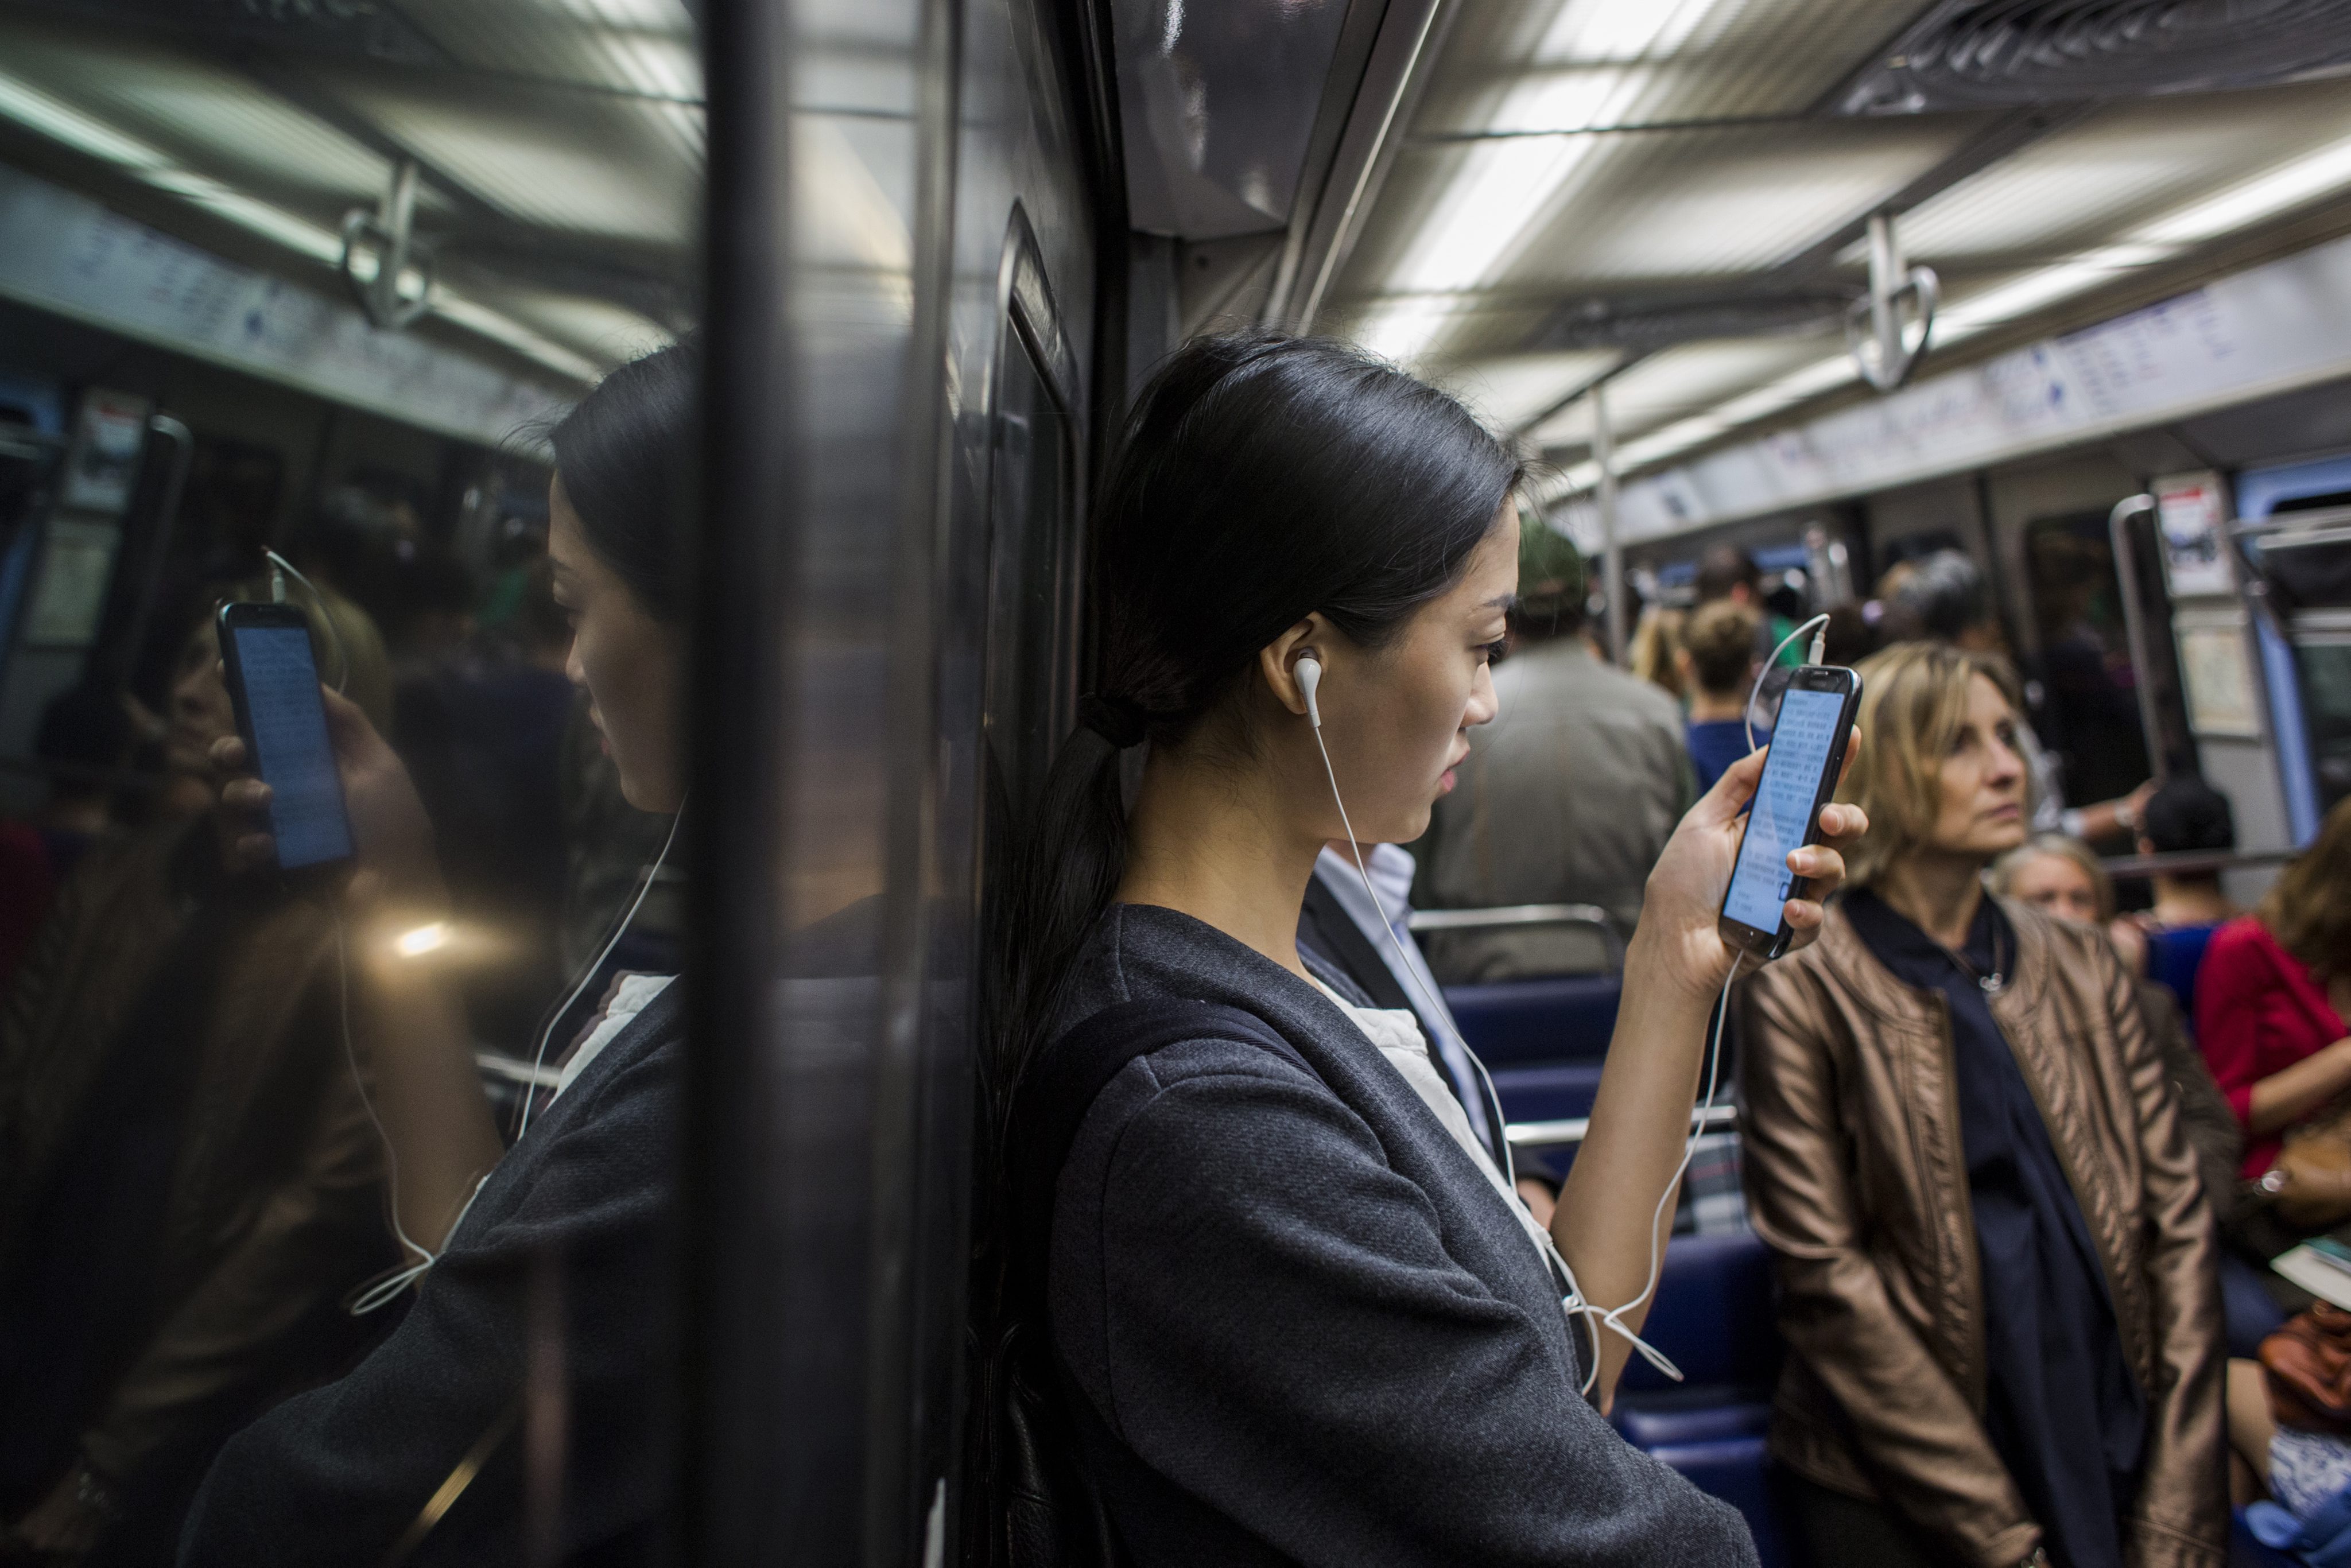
{"points": [[387, 1287], [1748, 714], [1572, 1303]]}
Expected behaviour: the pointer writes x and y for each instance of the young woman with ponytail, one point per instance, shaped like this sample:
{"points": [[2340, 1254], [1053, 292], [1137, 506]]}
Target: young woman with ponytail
{"points": [[1296, 1317]]}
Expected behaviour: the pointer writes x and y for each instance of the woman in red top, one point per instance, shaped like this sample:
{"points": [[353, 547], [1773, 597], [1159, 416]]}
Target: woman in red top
{"points": [[2272, 995]]}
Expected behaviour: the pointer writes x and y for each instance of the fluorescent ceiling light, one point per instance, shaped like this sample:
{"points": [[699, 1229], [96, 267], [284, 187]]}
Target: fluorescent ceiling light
{"points": [[1500, 191], [2278, 190], [1401, 328], [1511, 390]]}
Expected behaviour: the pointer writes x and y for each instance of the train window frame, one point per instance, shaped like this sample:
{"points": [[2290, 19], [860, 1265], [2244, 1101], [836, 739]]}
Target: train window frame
{"points": [[1028, 323]]}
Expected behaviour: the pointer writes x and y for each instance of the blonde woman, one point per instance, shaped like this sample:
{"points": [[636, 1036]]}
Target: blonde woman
{"points": [[1654, 655], [2004, 1326]]}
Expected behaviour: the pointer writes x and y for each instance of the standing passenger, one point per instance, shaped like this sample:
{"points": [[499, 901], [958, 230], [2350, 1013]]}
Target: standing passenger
{"points": [[1568, 799], [2004, 1329], [1299, 1314], [1719, 658]]}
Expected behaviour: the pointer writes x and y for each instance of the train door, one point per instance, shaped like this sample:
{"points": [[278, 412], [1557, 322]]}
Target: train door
{"points": [[908, 197], [2297, 528]]}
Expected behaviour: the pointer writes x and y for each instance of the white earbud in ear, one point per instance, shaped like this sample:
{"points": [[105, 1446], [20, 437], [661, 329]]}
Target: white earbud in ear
{"points": [[1309, 671]]}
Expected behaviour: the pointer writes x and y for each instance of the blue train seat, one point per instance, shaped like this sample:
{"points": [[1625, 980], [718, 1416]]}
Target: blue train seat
{"points": [[2173, 957], [1713, 1319], [1561, 1018], [1550, 1092]]}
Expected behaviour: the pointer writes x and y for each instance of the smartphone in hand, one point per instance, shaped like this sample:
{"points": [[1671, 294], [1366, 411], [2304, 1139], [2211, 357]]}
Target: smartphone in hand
{"points": [[273, 682], [1800, 775]]}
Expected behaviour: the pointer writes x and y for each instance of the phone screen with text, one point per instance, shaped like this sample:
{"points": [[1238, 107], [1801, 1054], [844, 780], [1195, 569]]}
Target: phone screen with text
{"points": [[290, 740], [1782, 818]]}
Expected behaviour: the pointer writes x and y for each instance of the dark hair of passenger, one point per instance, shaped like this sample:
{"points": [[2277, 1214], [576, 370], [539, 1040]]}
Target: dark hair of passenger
{"points": [[2186, 814], [1259, 478], [1944, 598], [627, 455], [1554, 584], [1723, 567], [1849, 637]]}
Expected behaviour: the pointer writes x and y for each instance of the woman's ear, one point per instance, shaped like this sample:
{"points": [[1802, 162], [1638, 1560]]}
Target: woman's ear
{"points": [[1277, 660]]}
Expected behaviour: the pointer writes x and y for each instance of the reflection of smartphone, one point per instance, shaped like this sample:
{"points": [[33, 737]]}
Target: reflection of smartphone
{"points": [[274, 682], [1800, 774]]}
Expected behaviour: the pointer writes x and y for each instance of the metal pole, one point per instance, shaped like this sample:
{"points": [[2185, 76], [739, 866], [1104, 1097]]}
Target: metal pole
{"points": [[2158, 758], [1603, 452], [159, 549]]}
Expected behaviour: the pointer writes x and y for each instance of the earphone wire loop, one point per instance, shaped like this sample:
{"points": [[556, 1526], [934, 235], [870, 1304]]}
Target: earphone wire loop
{"points": [[325, 616], [1746, 714]]}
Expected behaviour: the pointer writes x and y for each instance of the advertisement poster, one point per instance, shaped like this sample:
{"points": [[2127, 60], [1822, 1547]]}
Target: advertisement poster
{"points": [[2217, 672], [2193, 512], [104, 469]]}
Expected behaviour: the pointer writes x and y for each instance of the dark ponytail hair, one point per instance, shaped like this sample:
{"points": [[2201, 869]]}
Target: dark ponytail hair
{"points": [[1261, 479], [626, 453]]}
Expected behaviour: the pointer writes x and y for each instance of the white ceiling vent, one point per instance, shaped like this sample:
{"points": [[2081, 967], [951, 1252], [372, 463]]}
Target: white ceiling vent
{"points": [[1982, 54]]}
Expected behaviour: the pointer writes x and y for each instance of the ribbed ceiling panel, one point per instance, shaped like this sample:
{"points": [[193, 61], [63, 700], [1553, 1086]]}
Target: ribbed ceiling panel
{"points": [[2084, 185], [1551, 66], [210, 120], [1683, 381]]}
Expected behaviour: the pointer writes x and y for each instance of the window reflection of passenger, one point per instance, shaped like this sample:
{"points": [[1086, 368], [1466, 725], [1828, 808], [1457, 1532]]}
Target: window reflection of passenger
{"points": [[580, 1217], [187, 1178], [2004, 1327], [1303, 1316]]}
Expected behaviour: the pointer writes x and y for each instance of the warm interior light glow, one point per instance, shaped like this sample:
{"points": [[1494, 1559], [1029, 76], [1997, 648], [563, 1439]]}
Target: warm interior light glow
{"points": [[423, 939]]}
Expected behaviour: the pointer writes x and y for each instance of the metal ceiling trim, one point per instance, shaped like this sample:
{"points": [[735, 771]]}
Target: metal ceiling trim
{"points": [[1410, 38]]}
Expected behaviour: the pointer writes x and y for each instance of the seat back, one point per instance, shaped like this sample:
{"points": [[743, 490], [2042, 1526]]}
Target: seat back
{"points": [[2173, 957], [1564, 1018], [1713, 1315]]}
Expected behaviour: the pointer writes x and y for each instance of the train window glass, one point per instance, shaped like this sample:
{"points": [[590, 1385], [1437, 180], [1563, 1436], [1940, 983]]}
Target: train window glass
{"points": [[2322, 647], [244, 1114], [2090, 717], [1031, 623]]}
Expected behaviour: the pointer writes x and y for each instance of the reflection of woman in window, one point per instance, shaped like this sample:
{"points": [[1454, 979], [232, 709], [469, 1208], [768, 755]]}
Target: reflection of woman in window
{"points": [[1996, 1262], [187, 1179], [556, 1255]]}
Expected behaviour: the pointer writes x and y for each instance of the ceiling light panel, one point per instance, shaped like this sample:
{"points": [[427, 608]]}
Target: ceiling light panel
{"points": [[1512, 389], [209, 120], [644, 47], [1668, 206], [604, 167], [1606, 62], [1678, 382], [2083, 185]]}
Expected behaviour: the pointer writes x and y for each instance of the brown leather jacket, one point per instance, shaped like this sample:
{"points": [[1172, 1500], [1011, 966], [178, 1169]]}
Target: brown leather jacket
{"points": [[1856, 1178], [275, 1207]]}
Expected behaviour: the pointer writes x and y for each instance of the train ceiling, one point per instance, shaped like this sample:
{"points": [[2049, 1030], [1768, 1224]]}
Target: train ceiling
{"points": [[559, 144], [1671, 195]]}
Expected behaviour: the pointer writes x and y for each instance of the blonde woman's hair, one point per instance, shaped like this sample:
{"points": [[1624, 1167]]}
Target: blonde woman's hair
{"points": [[1720, 639], [1656, 640], [2065, 847], [1914, 703], [2308, 908]]}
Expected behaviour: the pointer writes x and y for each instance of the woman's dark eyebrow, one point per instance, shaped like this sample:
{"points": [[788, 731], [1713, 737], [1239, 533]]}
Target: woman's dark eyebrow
{"points": [[1502, 602]]}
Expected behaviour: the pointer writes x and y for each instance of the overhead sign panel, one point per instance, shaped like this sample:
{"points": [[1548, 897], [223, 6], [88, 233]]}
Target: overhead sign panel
{"points": [[68, 254]]}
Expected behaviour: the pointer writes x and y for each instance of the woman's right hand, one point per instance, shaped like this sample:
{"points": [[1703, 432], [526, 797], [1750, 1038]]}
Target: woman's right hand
{"points": [[391, 833]]}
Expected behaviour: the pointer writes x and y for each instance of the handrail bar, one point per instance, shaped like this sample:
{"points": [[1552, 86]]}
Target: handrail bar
{"points": [[1572, 1130], [2193, 862], [1512, 914]]}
